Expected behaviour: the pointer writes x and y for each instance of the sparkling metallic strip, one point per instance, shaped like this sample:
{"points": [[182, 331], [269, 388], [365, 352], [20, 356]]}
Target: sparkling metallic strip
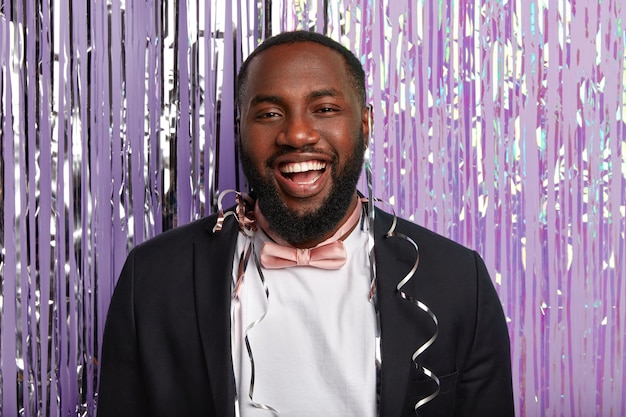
{"points": [[243, 265], [372, 258], [250, 327], [423, 307]]}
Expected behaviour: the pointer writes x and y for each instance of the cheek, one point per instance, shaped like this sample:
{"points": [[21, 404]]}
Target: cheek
{"points": [[248, 143], [345, 140], [246, 147], [256, 153], [338, 135], [256, 140]]}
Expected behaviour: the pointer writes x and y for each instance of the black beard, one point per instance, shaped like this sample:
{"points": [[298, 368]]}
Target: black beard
{"points": [[297, 228]]}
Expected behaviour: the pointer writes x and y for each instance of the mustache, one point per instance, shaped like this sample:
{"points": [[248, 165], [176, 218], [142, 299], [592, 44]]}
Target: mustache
{"points": [[305, 149]]}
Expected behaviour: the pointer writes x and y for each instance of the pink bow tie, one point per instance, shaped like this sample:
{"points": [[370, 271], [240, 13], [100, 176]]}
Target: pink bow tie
{"points": [[329, 254], [326, 256]]}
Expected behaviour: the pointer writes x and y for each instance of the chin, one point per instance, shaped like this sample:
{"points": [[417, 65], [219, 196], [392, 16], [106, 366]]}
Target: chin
{"points": [[305, 207]]}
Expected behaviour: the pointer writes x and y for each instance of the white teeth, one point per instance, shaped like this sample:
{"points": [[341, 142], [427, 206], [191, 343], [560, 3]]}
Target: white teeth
{"points": [[302, 167]]}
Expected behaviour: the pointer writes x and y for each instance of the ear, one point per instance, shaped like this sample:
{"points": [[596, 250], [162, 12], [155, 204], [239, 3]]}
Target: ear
{"points": [[237, 128], [367, 120]]}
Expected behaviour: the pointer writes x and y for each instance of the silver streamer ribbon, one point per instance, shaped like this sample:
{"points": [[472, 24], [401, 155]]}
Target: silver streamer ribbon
{"points": [[371, 242], [248, 227], [372, 258], [423, 307]]}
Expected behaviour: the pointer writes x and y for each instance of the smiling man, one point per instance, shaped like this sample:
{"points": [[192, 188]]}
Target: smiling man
{"points": [[279, 309], [303, 132]]}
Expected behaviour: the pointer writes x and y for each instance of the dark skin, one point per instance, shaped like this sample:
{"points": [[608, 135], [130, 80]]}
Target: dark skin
{"points": [[301, 120]]}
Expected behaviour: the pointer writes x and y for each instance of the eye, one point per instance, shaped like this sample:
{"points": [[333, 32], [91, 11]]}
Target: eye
{"points": [[268, 115], [326, 110]]}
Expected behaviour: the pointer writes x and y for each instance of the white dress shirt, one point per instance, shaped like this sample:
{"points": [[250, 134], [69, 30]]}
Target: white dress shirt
{"points": [[314, 350]]}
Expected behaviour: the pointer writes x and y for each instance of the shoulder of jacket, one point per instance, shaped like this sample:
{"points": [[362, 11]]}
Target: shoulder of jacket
{"points": [[181, 237]]}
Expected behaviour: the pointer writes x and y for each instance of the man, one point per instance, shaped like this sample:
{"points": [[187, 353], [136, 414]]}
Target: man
{"points": [[210, 319]]}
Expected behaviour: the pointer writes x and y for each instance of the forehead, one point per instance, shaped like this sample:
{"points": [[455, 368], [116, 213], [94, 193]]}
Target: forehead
{"points": [[297, 66]]}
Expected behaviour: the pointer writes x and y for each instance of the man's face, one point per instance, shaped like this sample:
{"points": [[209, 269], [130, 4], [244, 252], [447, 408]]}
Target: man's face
{"points": [[302, 139]]}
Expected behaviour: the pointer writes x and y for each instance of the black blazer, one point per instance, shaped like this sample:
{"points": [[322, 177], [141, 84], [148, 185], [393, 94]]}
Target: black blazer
{"points": [[166, 348]]}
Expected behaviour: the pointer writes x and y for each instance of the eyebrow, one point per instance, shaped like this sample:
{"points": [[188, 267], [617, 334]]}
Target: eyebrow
{"points": [[265, 98], [326, 92], [271, 98]]}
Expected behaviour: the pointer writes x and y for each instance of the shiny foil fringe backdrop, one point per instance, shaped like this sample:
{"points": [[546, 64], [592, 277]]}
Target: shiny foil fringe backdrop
{"points": [[501, 124]]}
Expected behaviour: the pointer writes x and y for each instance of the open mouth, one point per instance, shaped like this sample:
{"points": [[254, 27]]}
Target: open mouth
{"points": [[303, 173]]}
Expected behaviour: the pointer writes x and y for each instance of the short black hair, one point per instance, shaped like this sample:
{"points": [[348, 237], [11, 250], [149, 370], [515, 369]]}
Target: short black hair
{"points": [[353, 65]]}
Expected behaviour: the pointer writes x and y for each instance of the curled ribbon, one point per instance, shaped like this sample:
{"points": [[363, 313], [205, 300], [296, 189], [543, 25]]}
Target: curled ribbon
{"points": [[247, 340], [373, 298], [423, 307], [244, 216], [247, 225]]}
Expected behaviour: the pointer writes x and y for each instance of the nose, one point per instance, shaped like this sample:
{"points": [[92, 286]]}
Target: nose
{"points": [[298, 131]]}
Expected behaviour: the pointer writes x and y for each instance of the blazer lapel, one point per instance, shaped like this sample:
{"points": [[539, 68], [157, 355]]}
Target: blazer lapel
{"points": [[395, 257], [213, 257]]}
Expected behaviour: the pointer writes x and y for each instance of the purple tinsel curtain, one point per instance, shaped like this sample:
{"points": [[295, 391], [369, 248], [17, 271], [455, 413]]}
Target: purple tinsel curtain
{"points": [[501, 124]]}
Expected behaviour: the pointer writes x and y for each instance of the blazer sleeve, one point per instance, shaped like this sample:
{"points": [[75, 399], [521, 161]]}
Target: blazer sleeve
{"points": [[121, 391], [485, 385]]}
